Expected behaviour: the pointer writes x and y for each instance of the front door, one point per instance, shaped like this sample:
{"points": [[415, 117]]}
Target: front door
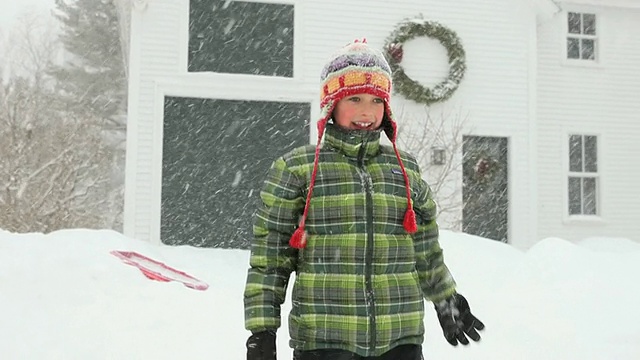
{"points": [[485, 187]]}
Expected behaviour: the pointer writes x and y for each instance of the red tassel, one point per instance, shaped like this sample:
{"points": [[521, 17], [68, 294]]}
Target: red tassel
{"points": [[409, 222], [298, 239]]}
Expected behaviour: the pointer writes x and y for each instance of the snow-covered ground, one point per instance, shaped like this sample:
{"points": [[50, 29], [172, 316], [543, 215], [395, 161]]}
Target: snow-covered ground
{"points": [[64, 296]]}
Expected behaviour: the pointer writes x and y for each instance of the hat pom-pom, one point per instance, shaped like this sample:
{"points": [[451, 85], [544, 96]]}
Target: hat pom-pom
{"points": [[409, 223], [298, 239]]}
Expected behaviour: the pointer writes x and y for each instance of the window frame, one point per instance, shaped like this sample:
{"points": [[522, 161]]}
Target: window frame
{"points": [[568, 173], [298, 58], [597, 55]]}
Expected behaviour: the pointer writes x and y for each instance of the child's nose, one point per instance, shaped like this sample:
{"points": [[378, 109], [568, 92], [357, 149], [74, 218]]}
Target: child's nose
{"points": [[368, 108]]}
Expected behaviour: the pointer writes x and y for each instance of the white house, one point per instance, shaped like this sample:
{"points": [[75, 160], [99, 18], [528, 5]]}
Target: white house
{"points": [[543, 121], [593, 101]]}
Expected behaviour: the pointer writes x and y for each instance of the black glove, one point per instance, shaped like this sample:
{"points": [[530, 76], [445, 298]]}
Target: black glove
{"points": [[262, 346], [456, 320]]}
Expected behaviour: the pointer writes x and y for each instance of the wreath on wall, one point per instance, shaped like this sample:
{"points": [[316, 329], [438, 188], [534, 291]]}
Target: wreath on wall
{"points": [[484, 167], [411, 89]]}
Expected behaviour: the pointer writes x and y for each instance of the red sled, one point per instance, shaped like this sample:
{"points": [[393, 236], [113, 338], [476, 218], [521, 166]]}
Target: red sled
{"points": [[156, 270]]}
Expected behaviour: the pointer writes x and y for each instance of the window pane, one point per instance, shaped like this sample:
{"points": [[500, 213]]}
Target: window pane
{"points": [[575, 153], [215, 156], [590, 195], [589, 24], [574, 23], [241, 37], [588, 49], [573, 48], [591, 153], [575, 204]]}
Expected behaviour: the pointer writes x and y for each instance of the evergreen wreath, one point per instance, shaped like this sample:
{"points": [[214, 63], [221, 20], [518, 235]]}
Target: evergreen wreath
{"points": [[484, 167], [411, 89]]}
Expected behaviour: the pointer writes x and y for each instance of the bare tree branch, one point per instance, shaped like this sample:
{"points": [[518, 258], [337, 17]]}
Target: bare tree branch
{"points": [[55, 164], [444, 133]]}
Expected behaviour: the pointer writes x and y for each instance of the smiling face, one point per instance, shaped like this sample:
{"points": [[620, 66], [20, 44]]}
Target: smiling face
{"points": [[359, 112]]}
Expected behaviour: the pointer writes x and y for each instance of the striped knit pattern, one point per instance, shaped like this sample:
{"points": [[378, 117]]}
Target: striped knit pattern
{"points": [[331, 306], [354, 80], [355, 68]]}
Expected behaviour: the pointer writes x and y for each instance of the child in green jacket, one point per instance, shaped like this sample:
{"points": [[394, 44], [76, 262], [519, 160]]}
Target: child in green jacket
{"points": [[356, 222]]}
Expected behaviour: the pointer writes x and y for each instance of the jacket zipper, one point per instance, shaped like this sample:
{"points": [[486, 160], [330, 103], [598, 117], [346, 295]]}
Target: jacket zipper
{"points": [[368, 266]]}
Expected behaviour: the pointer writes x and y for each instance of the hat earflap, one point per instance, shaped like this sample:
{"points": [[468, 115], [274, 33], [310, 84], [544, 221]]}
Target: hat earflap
{"points": [[299, 238]]}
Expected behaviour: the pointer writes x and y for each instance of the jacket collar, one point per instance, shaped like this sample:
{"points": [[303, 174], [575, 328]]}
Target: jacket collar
{"points": [[350, 142]]}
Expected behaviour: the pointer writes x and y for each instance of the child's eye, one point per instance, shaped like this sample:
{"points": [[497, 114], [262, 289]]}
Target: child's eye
{"points": [[378, 100], [354, 99]]}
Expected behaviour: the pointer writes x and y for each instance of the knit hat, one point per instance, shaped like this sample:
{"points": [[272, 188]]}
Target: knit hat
{"points": [[355, 69]]}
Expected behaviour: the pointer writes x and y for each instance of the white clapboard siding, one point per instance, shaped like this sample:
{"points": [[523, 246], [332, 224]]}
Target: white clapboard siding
{"points": [[494, 96], [155, 32], [602, 100], [516, 86], [498, 38]]}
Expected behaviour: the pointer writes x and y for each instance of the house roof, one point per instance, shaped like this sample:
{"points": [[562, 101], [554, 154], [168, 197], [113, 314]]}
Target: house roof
{"points": [[632, 4]]}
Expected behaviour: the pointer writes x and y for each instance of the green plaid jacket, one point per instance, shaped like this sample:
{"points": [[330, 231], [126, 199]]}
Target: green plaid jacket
{"points": [[361, 281]]}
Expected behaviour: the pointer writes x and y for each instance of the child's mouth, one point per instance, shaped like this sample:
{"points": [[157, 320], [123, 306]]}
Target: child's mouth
{"points": [[363, 125]]}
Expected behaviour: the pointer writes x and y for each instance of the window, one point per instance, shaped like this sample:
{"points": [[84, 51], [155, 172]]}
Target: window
{"points": [[215, 156], [583, 175], [581, 36], [241, 37]]}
